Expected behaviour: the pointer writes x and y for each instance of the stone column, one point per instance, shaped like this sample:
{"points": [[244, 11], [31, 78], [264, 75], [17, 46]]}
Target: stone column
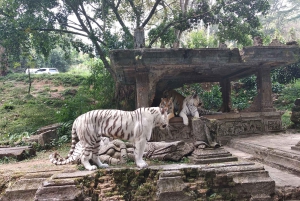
{"points": [[226, 91], [142, 89], [139, 38], [264, 89]]}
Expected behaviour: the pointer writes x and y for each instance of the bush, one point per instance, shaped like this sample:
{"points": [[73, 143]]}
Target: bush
{"points": [[212, 99], [243, 98]]}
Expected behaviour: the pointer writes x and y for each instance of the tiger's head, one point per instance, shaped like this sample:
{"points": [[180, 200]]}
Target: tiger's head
{"points": [[165, 106], [194, 100], [168, 103]]}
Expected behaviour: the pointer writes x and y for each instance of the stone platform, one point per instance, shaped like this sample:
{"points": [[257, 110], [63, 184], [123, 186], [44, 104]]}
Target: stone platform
{"points": [[277, 154], [223, 127], [221, 181], [247, 178]]}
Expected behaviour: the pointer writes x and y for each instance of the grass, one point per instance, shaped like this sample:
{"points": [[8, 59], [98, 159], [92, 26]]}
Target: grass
{"points": [[23, 112], [286, 119]]}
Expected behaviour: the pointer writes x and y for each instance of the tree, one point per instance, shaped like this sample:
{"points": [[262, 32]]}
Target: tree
{"points": [[96, 20], [112, 24], [283, 17]]}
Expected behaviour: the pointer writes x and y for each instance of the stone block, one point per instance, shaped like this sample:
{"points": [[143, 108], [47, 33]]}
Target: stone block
{"points": [[45, 135], [60, 193], [19, 153], [72, 174]]}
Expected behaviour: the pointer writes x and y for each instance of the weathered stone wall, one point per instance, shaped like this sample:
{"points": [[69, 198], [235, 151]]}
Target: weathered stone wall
{"points": [[184, 184], [222, 127]]}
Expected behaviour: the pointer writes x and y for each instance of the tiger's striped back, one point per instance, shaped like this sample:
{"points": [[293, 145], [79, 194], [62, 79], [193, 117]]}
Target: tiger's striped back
{"points": [[177, 100], [88, 128]]}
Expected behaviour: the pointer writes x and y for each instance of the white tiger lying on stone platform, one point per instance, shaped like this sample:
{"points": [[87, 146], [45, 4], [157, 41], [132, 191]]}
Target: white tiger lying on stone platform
{"points": [[135, 126]]}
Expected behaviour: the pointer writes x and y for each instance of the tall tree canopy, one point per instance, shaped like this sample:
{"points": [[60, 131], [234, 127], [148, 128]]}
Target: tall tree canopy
{"points": [[112, 24], [284, 17]]}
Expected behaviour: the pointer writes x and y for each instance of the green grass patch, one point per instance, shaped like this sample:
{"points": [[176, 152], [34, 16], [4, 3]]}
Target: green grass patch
{"points": [[286, 119]]}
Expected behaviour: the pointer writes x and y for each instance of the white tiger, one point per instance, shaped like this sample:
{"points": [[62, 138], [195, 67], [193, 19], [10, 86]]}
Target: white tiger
{"points": [[135, 126], [190, 107]]}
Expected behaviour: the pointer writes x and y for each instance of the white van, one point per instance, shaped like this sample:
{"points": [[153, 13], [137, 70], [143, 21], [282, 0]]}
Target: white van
{"points": [[47, 71], [31, 70]]}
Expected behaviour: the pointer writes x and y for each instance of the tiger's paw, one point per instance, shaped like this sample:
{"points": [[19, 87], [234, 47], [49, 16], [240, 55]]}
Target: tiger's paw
{"points": [[142, 164], [92, 167], [104, 165]]}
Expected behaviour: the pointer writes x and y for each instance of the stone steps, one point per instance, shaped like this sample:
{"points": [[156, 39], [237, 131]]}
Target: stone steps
{"points": [[207, 156], [25, 187], [281, 159], [242, 178], [248, 178], [62, 187]]}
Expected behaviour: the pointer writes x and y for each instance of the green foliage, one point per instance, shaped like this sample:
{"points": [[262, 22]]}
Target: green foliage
{"points": [[64, 134], [6, 160], [286, 119], [288, 96], [97, 92], [249, 83], [100, 85], [57, 60], [167, 38], [212, 99], [74, 106], [286, 74], [277, 87], [198, 39], [242, 98], [238, 21]]}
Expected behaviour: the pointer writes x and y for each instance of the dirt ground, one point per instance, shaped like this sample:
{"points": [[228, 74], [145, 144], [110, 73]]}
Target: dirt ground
{"points": [[38, 163]]}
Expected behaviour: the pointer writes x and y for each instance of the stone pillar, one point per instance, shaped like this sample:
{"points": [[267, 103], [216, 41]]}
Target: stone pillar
{"points": [[142, 89], [226, 91], [264, 89], [139, 38]]}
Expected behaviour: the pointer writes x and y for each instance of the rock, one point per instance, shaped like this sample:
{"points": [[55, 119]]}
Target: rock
{"points": [[44, 135], [19, 153]]}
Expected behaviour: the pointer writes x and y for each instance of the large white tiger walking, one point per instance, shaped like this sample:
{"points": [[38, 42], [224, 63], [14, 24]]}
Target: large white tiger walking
{"points": [[135, 126]]}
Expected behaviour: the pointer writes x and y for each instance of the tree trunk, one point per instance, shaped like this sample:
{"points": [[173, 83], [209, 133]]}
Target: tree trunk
{"points": [[139, 38]]}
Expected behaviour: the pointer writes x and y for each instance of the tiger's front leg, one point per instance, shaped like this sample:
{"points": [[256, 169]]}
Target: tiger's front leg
{"points": [[184, 118], [96, 158], [140, 144]]}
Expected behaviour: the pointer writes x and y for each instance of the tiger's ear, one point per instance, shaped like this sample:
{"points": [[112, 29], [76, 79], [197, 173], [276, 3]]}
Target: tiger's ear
{"points": [[171, 99], [195, 95]]}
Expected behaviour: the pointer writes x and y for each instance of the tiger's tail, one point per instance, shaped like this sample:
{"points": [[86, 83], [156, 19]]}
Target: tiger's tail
{"points": [[74, 153]]}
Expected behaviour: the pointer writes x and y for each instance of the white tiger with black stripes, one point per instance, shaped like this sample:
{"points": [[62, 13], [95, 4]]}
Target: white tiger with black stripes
{"points": [[135, 126], [190, 107]]}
